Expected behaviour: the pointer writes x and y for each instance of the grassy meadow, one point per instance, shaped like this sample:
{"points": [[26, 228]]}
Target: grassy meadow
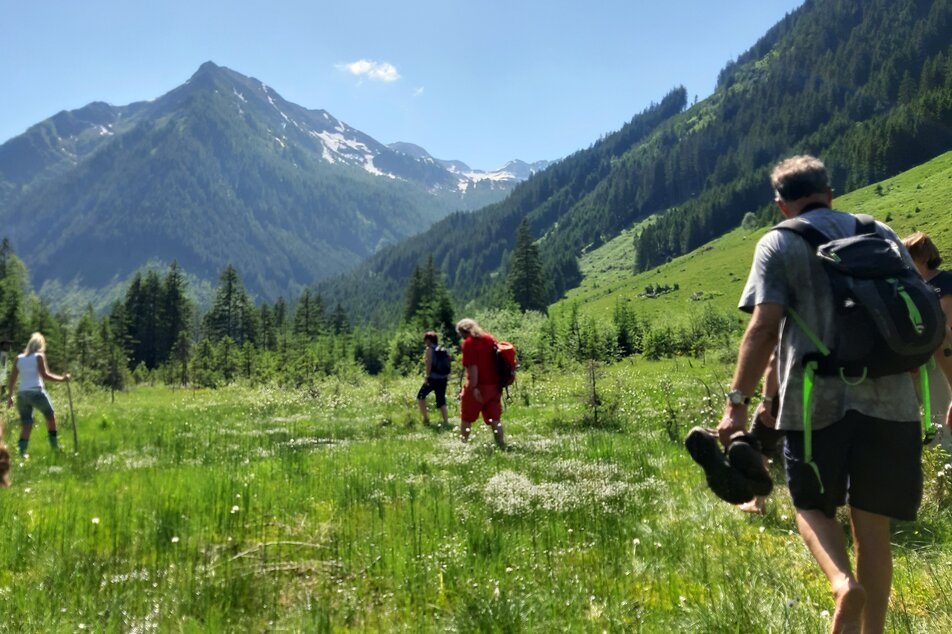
{"points": [[334, 509]]}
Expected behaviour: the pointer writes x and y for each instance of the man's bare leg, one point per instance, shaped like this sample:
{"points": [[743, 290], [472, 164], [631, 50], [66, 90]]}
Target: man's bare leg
{"points": [[497, 433], [825, 539], [423, 412], [873, 566], [464, 429]]}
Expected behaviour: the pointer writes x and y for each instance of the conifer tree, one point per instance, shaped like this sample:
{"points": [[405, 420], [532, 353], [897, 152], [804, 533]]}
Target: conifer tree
{"points": [[232, 313], [414, 294], [84, 339], [526, 282], [176, 311], [269, 331], [308, 315], [339, 321], [428, 304], [13, 291]]}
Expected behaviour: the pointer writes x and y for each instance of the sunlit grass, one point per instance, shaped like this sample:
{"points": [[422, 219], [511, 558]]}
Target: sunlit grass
{"points": [[333, 509]]}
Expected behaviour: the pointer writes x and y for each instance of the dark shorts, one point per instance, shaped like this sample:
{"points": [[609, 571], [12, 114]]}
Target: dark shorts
{"points": [[872, 464], [434, 385]]}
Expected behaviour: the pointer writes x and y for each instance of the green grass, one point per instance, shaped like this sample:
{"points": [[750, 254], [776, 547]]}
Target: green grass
{"points": [[331, 509], [914, 200]]}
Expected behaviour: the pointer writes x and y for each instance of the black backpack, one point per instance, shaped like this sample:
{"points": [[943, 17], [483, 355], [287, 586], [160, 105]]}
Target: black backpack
{"points": [[887, 319], [442, 364]]}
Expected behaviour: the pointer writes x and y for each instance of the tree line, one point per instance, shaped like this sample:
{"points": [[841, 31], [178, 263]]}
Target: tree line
{"points": [[155, 333]]}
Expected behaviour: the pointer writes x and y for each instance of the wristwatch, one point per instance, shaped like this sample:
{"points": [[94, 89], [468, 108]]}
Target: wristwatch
{"points": [[736, 397]]}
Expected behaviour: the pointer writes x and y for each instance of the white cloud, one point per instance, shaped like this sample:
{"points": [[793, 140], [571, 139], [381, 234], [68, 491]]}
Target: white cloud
{"points": [[377, 71]]}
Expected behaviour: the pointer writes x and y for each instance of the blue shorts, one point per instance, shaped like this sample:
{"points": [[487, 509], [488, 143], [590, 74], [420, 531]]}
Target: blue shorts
{"points": [[874, 465], [28, 399]]}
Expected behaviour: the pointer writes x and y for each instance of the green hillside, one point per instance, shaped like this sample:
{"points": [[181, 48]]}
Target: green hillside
{"points": [[916, 200], [871, 94]]}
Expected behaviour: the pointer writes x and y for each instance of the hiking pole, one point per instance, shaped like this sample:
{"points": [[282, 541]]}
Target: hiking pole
{"points": [[72, 416]]}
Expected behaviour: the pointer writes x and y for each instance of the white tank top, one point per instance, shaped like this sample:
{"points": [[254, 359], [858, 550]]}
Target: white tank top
{"points": [[28, 365]]}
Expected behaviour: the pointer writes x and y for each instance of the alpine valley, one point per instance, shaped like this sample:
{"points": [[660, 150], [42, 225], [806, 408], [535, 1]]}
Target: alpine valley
{"points": [[221, 170], [866, 86]]}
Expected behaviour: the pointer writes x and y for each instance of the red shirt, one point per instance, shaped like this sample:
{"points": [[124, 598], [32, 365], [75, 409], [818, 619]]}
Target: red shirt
{"points": [[478, 351]]}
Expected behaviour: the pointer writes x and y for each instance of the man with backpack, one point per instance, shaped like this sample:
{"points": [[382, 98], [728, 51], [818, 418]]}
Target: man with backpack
{"points": [[852, 434], [439, 364], [482, 393]]}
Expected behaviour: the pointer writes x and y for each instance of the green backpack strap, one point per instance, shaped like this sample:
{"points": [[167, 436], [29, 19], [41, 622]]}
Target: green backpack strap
{"points": [[809, 371], [928, 433]]}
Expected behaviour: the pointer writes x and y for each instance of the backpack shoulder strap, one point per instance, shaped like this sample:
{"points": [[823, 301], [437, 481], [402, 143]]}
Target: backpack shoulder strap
{"points": [[865, 224], [805, 230]]}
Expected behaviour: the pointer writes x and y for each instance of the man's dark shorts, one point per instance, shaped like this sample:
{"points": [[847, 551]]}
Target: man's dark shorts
{"points": [[434, 385], [875, 465]]}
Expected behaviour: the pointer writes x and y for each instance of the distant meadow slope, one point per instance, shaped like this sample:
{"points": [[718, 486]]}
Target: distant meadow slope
{"points": [[714, 275]]}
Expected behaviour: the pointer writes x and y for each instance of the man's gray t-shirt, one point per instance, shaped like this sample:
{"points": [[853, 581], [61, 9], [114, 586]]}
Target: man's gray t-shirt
{"points": [[786, 271]]}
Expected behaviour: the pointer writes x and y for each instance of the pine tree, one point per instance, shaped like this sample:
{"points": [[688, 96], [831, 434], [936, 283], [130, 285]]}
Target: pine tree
{"points": [[526, 282], [13, 292], [414, 294], [339, 320], [232, 313], [308, 316], [428, 304], [176, 312], [84, 339], [142, 308]]}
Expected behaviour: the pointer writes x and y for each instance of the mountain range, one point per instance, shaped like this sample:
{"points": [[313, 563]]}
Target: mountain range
{"points": [[221, 170], [865, 86]]}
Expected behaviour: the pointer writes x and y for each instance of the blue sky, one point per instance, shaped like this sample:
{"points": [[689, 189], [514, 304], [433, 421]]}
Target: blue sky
{"points": [[482, 82]]}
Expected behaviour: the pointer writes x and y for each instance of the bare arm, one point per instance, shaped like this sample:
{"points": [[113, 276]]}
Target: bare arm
{"points": [[45, 373], [428, 362], [472, 380], [756, 348], [766, 408]]}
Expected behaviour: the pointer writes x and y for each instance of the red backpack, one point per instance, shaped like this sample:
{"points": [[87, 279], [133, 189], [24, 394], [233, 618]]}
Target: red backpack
{"points": [[506, 362]]}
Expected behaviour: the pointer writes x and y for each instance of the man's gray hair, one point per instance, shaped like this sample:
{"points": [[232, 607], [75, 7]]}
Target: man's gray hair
{"points": [[798, 177]]}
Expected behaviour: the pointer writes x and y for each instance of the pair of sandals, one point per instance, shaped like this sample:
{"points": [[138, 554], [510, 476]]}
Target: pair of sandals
{"points": [[735, 474]]}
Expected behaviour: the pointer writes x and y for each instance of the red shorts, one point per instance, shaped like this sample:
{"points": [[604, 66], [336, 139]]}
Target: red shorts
{"points": [[490, 407]]}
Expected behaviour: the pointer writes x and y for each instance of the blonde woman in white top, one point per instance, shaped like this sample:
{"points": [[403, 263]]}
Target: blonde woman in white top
{"points": [[31, 368]]}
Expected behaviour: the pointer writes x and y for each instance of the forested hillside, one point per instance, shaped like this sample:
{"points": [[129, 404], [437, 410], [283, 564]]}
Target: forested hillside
{"points": [[867, 86], [472, 248]]}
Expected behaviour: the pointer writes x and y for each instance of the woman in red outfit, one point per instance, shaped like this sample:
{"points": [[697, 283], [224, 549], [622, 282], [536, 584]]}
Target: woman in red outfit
{"points": [[481, 393]]}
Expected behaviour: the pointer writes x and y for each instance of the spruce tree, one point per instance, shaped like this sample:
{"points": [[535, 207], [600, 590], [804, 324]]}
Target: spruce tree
{"points": [[526, 282], [232, 313], [308, 315], [176, 311]]}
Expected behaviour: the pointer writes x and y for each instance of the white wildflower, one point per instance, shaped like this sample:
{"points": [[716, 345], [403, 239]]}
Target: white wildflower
{"points": [[95, 520]]}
